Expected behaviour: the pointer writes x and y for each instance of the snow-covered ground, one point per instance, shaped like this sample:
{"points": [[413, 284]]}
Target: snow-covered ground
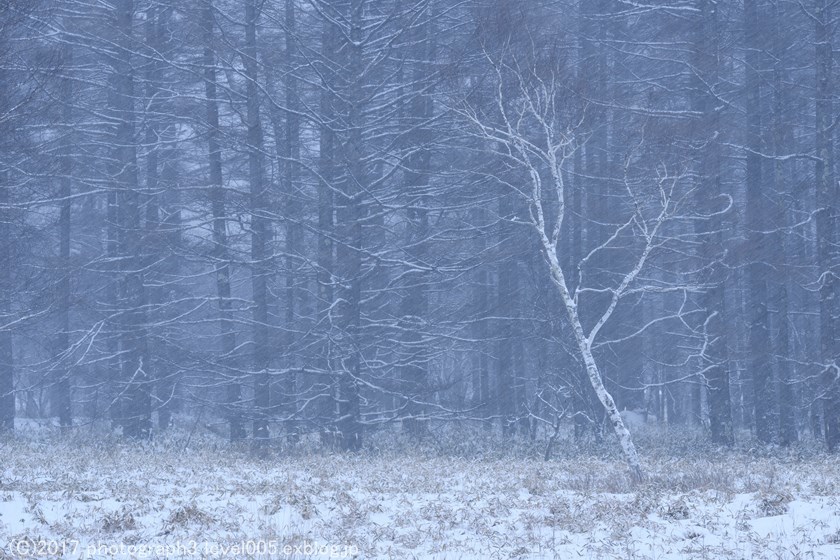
{"points": [[82, 497]]}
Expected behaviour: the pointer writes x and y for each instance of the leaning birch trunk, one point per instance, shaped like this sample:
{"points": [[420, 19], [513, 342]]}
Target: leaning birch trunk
{"points": [[585, 349]]}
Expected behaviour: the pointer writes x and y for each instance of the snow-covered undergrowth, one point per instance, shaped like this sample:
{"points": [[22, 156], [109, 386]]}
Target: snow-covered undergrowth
{"points": [[79, 496]]}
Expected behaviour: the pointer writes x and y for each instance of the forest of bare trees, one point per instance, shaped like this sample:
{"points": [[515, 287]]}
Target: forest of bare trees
{"points": [[333, 217]]}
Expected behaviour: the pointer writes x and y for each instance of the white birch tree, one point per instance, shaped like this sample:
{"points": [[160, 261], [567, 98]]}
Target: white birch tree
{"points": [[536, 133]]}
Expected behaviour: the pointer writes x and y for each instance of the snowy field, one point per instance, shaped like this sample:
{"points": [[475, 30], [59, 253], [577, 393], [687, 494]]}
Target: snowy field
{"points": [[193, 496]]}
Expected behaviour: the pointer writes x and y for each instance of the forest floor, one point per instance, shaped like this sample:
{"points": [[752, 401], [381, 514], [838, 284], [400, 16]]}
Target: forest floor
{"points": [[190, 495]]}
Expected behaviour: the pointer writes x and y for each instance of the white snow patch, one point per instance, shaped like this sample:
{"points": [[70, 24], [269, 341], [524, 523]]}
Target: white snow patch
{"points": [[210, 500]]}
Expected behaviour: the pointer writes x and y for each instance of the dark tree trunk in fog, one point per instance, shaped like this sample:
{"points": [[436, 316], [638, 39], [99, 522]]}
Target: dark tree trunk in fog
{"points": [[760, 366], [136, 414], [294, 231], [260, 230], [162, 227], [712, 202], [827, 201], [778, 242], [480, 302], [7, 373], [220, 252], [350, 207], [507, 307], [62, 395], [327, 174], [415, 303]]}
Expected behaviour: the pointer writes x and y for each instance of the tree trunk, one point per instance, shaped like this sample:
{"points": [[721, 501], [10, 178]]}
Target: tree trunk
{"points": [[507, 332], [779, 243], [827, 193], [349, 213], [327, 382], [63, 401], [260, 231], [294, 231], [7, 373], [481, 307], [592, 371], [220, 253], [135, 363], [756, 216], [415, 304], [710, 201]]}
